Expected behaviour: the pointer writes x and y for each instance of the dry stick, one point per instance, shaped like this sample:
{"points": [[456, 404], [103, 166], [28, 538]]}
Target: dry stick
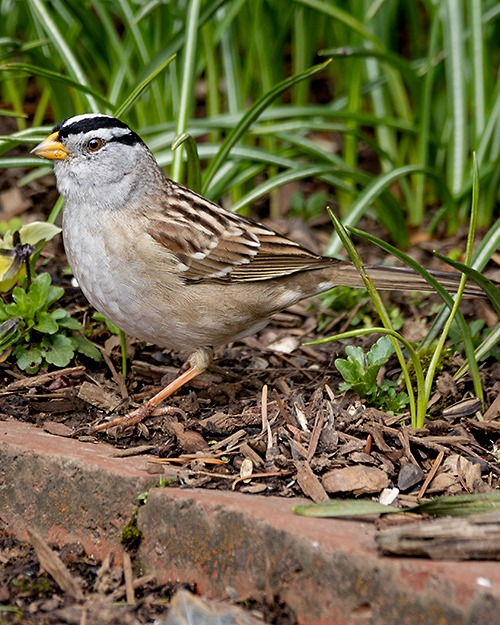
{"points": [[281, 407], [265, 421], [137, 583], [43, 378], [127, 573], [249, 477], [117, 377], [83, 619], [331, 394], [316, 433], [229, 441], [460, 475], [53, 564], [431, 474], [293, 365], [349, 319], [429, 445], [405, 442]]}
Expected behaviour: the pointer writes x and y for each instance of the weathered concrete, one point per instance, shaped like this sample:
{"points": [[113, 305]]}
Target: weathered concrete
{"points": [[328, 571]]}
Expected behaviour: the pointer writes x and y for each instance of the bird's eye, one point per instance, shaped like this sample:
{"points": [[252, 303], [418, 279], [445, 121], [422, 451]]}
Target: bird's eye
{"points": [[94, 144]]}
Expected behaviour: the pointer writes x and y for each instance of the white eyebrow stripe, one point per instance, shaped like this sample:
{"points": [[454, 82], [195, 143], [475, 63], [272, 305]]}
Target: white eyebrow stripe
{"points": [[78, 118]]}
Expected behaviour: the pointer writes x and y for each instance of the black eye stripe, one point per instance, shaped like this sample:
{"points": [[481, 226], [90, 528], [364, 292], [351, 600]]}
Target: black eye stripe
{"points": [[130, 139]]}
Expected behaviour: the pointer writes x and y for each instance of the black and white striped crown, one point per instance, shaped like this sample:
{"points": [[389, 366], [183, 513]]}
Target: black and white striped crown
{"points": [[108, 128]]}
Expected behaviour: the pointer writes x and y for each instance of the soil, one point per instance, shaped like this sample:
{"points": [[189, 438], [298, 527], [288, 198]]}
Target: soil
{"points": [[225, 436]]}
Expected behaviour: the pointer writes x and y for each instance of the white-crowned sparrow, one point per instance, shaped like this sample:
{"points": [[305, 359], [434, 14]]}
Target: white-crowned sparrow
{"points": [[167, 265]]}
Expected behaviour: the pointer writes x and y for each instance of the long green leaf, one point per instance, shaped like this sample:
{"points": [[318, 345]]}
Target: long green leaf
{"points": [[488, 286], [194, 168], [373, 190], [188, 79], [246, 121], [47, 73], [398, 62], [455, 506], [445, 296], [342, 16], [455, 63], [121, 110], [39, 8]]}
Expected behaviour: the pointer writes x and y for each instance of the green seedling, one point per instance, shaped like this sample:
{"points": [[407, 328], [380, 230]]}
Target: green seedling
{"points": [[39, 335], [418, 401], [360, 373]]}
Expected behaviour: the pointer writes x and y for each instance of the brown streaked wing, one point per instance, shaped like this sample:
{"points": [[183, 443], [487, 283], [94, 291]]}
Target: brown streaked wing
{"points": [[213, 244]]}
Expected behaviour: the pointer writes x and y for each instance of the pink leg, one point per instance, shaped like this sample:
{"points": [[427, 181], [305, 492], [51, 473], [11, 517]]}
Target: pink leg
{"points": [[135, 417]]}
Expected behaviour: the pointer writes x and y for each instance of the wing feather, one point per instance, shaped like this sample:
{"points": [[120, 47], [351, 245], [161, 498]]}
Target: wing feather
{"points": [[211, 243]]}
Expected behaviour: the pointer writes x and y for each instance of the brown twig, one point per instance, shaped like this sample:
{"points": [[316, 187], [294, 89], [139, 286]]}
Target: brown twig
{"points": [[53, 564], [316, 433], [281, 407], [127, 574], [431, 474], [290, 362], [117, 377]]}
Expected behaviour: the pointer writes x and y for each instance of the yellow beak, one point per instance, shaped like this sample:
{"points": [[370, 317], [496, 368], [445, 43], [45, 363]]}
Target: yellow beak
{"points": [[51, 148]]}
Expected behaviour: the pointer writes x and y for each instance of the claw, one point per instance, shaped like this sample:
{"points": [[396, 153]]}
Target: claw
{"points": [[135, 417]]}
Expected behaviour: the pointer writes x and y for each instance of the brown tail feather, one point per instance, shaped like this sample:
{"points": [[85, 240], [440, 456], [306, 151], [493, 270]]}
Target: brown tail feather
{"points": [[402, 279]]}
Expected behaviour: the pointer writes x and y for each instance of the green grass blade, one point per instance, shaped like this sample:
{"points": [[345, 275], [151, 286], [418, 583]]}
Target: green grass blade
{"points": [[488, 286], [342, 16], [457, 91], [477, 37], [7, 113], [372, 191], [69, 59], [252, 114], [399, 63], [47, 73], [426, 108], [492, 340], [465, 331], [300, 57], [193, 160], [344, 508], [188, 79], [445, 296], [123, 108], [417, 409], [292, 175]]}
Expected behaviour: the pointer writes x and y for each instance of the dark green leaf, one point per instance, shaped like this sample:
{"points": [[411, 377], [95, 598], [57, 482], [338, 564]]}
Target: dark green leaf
{"points": [[28, 359], [46, 324], [57, 350], [86, 347]]}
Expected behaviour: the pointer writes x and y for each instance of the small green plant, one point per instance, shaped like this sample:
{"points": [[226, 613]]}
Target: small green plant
{"points": [[40, 336], [419, 401], [310, 208], [360, 373], [131, 536]]}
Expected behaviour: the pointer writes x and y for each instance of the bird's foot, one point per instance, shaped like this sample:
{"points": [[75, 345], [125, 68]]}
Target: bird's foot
{"points": [[198, 361]]}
